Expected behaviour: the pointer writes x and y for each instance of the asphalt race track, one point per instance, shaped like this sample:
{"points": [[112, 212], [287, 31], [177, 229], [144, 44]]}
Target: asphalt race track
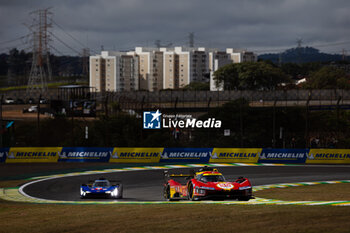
{"points": [[148, 185]]}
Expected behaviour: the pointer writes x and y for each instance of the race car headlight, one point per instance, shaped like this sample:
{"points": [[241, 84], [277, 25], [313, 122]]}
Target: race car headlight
{"points": [[244, 188], [115, 192], [108, 191]]}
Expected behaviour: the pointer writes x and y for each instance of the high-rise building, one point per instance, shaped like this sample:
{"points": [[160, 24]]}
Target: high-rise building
{"points": [[217, 59], [238, 56], [114, 71], [154, 69], [170, 71]]}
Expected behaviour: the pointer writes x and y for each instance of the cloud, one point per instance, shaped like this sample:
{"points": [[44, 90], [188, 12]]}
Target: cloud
{"points": [[123, 24]]}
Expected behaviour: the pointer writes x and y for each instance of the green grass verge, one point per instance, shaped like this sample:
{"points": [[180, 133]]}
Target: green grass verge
{"points": [[322, 192], [16, 217]]}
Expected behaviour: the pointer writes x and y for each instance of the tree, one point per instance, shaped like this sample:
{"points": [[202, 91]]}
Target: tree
{"points": [[250, 76], [328, 78], [197, 86]]}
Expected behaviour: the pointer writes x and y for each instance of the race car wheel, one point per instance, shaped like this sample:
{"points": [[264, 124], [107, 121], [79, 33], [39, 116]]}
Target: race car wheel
{"points": [[167, 192], [190, 192]]}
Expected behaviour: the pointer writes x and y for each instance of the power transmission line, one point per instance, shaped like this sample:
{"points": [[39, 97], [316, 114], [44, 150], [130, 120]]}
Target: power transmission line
{"points": [[10, 41], [76, 51], [71, 36]]}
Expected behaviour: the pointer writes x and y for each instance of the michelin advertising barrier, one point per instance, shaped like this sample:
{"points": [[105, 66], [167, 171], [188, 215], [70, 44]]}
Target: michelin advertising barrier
{"points": [[85, 154], [235, 155], [3, 154], [33, 154], [135, 155], [186, 155], [172, 155], [283, 155], [328, 156]]}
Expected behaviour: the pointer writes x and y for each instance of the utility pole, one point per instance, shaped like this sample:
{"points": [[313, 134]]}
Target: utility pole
{"points": [[191, 39], [85, 62], [299, 42], [40, 71]]}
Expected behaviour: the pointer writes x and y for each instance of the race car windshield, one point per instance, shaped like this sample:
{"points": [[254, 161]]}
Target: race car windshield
{"points": [[101, 184], [212, 178]]}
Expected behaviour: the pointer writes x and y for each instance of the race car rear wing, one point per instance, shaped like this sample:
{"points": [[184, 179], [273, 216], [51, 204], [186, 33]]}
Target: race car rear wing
{"points": [[112, 182], [168, 176], [192, 172]]}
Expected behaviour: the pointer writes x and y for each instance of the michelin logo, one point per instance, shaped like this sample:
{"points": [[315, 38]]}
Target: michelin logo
{"points": [[182, 155], [3, 154], [213, 155], [331, 156], [151, 120], [11, 155], [83, 154], [114, 156], [233, 155], [132, 155], [283, 155]]}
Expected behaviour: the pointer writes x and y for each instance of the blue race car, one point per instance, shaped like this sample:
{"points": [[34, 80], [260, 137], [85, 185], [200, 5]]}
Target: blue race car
{"points": [[102, 188]]}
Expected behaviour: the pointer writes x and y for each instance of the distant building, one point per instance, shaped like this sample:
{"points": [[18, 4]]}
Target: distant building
{"points": [[238, 56], [155, 69], [114, 71], [217, 59]]}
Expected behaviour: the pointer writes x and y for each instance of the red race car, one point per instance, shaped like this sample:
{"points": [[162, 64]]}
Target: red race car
{"points": [[207, 183]]}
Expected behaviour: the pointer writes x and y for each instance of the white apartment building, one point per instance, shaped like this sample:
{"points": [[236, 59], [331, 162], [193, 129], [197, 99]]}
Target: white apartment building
{"points": [[154, 69], [114, 71], [238, 56]]}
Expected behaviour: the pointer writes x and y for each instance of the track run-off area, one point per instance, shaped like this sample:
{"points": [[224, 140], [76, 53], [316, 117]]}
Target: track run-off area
{"points": [[144, 184]]}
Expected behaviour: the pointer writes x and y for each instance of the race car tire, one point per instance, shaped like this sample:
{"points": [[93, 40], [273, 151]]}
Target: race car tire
{"points": [[190, 192], [166, 192], [121, 191]]}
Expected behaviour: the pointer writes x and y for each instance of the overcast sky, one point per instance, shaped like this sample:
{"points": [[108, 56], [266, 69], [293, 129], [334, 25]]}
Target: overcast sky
{"points": [[257, 25]]}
